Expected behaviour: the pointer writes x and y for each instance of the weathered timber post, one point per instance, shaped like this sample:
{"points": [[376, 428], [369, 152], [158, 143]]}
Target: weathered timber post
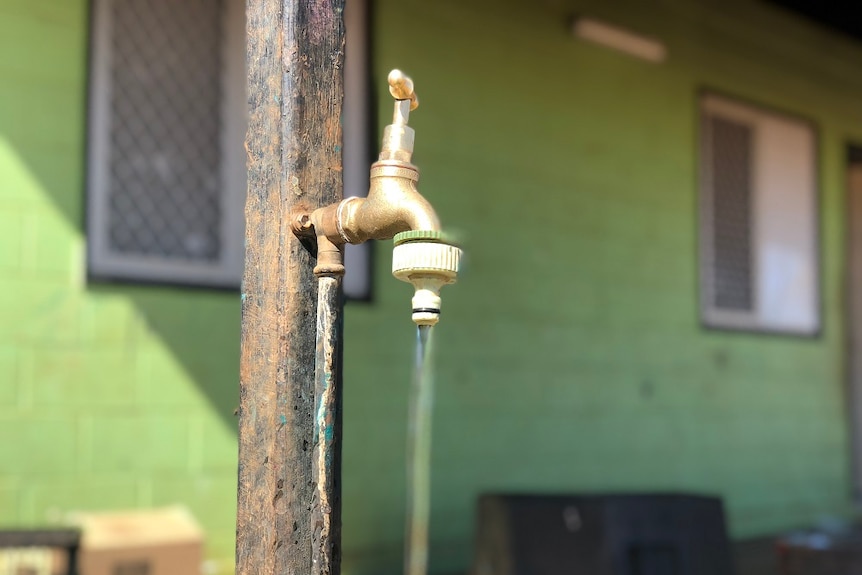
{"points": [[295, 63]]}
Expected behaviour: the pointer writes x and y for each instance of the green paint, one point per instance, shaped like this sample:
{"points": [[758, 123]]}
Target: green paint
{"points": [[573, 172], [572, 169], [111, 397]]}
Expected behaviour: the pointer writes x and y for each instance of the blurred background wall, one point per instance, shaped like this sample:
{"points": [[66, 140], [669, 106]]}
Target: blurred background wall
{"points": [[571, 356]]}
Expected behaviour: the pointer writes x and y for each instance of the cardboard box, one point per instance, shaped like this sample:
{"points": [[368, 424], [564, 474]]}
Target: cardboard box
{"points": [[148, 542]]}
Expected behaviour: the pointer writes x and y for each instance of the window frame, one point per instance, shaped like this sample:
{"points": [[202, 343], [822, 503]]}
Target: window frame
{"points": [[104, 264], [711, 317], [107, 264]]}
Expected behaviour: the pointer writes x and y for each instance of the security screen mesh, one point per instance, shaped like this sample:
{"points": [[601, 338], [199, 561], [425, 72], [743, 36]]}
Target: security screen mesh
{"points": [[731, 214], [164, 180]]}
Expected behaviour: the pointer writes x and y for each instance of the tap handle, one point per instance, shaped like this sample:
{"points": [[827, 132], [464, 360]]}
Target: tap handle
{"points": [[401, 88]]}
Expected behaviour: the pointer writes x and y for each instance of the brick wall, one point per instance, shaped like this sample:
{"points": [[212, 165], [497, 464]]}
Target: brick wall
{"points": [[570, 355], [110, 396]]}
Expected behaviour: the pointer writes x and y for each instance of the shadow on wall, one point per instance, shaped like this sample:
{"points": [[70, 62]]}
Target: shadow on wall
{"points": [[43, 102], [202, 330], [134, 324]]}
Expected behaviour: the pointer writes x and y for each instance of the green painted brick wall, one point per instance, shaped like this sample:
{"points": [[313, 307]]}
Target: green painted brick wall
{"points": [[111, 396], [570, 356]]}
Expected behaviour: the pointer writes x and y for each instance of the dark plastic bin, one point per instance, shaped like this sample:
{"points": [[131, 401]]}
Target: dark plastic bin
{"points": [[620, 534]]}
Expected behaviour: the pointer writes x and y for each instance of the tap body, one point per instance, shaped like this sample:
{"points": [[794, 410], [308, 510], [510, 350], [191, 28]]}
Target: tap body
{"points": [[393, 204]]}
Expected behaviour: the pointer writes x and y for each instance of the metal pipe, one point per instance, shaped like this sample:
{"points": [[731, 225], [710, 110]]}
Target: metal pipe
{"points": [[326, 472]]}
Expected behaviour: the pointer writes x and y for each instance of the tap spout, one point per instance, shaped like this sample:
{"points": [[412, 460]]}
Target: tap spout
{"points": [[393, 205]]}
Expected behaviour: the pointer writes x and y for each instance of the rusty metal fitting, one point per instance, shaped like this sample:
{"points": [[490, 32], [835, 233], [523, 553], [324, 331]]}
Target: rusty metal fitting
{"points": [[330, 258]]}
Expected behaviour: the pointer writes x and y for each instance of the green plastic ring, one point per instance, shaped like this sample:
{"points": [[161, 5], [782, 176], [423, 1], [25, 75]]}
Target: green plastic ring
{"points": [[433, 236]]}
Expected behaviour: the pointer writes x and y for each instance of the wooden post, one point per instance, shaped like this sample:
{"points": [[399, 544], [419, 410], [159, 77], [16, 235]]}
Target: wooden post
{"points": [[295, 63]]}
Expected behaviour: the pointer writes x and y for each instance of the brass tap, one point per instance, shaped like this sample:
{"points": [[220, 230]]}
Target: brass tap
{"points": [[393, 204]]}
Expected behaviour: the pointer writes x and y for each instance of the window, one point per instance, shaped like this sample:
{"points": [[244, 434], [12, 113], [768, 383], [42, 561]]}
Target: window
{"points": [[167, 179], [758, 234]]}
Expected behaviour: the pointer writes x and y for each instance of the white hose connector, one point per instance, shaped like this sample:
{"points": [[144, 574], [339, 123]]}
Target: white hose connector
{"points": [[424, 260]]}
